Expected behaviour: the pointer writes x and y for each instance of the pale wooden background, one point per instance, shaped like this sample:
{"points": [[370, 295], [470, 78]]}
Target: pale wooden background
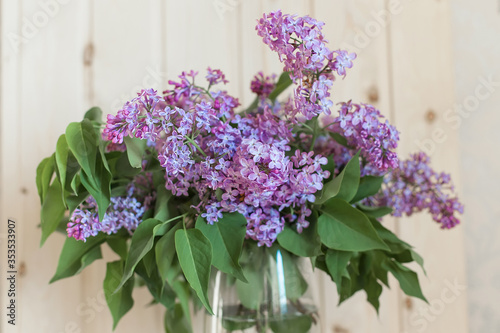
{"points": [[76, 54]]}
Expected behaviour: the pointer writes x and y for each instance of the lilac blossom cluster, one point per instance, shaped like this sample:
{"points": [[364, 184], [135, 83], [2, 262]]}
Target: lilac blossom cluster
{"points": [[234, 163], [364, 129], [415, 186], [263, 85], [261, 182], [123, 213], [227, 162], [303, 49]]}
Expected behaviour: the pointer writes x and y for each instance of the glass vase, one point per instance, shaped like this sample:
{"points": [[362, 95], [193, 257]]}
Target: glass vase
{"points": [[276, 298]]}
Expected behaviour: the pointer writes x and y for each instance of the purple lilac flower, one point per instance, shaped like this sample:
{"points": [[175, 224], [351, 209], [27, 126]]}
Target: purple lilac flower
{"points": [[215, 76], [263, 85], [243, 158], [342, 61], [361, 125], [302, 48], [415, 187], [123, 213]]}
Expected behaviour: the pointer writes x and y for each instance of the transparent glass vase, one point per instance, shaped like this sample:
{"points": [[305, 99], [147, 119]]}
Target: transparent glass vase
{"points": [[277, 297]]}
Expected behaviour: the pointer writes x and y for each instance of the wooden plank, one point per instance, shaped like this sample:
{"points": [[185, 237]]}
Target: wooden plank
{"points": [[476, 52], [123, 56], [422, 83], [10, 205], [41, 93], [359, 26]]}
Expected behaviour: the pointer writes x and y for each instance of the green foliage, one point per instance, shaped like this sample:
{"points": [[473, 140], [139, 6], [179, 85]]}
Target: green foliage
{"points": [[76, 255], [305, 244], [343, 227], [195, 256], [336, 262], [121, 301], [94, 114], [251, 293], [95, 175], [135, 150], [293, 324], [165, 253], [53, 209], [142, 242], [177, 320], [226, 237], [368, 186], [408, 280], [44, 173], [172, 253], [344, 186]]}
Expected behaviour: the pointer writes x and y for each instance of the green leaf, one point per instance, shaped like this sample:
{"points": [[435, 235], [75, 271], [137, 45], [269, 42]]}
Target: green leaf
{"points": [[408, 280], [75, 183], [52, 211], [177, 320], [161, 292], [226, 236], [400, 250], [76, 255], [379, 270], [237, 325], [182, 290], [337, 262], [195, 256], [121, 301], [141, 244], [373, 291], [340, 139], [135, 150], [305, 244], [345, 185], [94, 114], [149, 261], [44, 173], [82, 142], [165, 252], [118, 245], [73, 201], [375, 212], [251, 294], [343, 227], [292, 324], [99, 186], [162, 211], [284, 82], [295, 284], [408, 255], [66, 163], [368, 186]]}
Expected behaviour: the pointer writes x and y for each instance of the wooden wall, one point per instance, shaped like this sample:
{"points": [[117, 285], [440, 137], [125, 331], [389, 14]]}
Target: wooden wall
{"points": [[60, 57]]}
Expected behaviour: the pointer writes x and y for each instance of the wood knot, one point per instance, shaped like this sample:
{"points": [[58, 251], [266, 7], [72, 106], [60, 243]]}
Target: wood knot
{"points": [[430, 116], [24, 190], [88, 54], [22, 269], [373, 95], [408, 303], [339, 329]]}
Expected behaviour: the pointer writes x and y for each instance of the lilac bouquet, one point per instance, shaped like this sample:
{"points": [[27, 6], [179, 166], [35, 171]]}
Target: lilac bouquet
{"points": [[180, 181]]}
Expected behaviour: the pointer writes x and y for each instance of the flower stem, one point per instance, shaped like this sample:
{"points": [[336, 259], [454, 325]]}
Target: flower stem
{"points": [[196, 145]]}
